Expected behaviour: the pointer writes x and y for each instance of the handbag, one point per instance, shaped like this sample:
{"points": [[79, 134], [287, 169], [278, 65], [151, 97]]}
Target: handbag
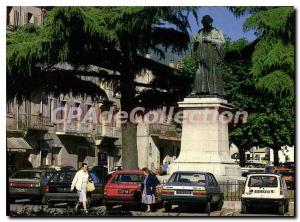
{"points": [[90, 187]]}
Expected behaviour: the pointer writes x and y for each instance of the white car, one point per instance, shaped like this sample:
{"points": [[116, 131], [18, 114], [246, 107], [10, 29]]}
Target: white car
{"points": [[265, 190]]}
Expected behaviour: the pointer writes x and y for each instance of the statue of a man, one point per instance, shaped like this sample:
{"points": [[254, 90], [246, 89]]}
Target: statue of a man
{"points": [[208, 53]]}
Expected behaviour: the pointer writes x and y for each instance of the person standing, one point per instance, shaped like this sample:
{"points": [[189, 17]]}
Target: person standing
{"points": [[79, 182], [148, 188], [165, 168], [153, 169]]}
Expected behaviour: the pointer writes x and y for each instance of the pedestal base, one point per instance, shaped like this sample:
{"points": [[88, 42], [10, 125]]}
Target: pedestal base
{"points": [[204, 140]]}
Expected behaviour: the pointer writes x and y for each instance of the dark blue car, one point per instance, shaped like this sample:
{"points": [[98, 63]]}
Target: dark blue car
{"points": [[192, 188]]}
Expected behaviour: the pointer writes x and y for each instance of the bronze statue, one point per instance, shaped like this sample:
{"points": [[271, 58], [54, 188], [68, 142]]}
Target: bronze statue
{"points": [[208, 53]]}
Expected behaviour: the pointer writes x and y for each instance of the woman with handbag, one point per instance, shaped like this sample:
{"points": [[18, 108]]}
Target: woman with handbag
{"points": [[81, 182], [148, 188]]}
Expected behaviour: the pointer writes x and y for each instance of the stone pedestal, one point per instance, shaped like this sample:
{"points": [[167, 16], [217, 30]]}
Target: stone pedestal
{"points": [[204, 140]]}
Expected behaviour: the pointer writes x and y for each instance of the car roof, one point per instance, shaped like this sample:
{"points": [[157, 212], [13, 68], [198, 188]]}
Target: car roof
{"points": [[31, 170], [264, 174], [199, 172], [129, 171]]}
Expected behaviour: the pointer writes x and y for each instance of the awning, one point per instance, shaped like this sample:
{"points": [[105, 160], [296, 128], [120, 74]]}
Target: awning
{"points": [[17, 144]]}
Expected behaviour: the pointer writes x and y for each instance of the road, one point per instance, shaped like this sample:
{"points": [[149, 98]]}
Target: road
{"points": [[26, 209]]}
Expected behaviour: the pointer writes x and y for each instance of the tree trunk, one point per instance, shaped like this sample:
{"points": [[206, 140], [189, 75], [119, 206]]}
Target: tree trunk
{"points": [[128, 129], [242, 157], [276, 158], [129, 146]]}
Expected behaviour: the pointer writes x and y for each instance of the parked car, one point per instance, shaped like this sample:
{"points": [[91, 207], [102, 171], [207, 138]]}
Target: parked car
{"points": [[262, 190], [101, 172], [115, 168], [123, 188], [192, 188], [67, 168], [49, 167], [29, 184], [58, 189]]}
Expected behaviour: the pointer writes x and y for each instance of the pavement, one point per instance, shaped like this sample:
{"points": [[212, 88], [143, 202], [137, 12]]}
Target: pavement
{"points": [[230, 208]]}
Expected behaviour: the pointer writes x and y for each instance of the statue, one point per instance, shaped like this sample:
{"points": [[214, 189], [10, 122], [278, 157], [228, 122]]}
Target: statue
{"points": [[208, 53]]}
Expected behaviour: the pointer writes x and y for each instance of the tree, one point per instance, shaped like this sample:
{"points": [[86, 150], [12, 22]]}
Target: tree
{"points": [[92, 38], [274, 70]]}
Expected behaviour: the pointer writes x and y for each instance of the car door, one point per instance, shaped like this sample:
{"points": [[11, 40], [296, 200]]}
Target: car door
{"points": [[212, 186], [217, 190], [285, 190], [209, 186]]}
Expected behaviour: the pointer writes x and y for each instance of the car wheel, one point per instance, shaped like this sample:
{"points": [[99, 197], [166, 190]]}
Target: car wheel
{"points": [[108, 206], [208, 207], [281, 209], [168, 207], [50, 204], [287, 207], [220, 204], [243, 208]]}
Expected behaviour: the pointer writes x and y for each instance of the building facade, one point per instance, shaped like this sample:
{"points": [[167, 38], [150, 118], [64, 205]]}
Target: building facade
{"points": [[35, 139]]}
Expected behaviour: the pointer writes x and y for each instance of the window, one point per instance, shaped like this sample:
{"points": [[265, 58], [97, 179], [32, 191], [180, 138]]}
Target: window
{"points": [[28, 18], [16, 20], [8, 12], [129, 178], [150, 150], [248, 157], [188, 178], [263, 181]]}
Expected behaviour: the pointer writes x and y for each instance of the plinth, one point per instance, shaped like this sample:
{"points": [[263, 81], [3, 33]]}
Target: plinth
{"points": [[204, 140]]}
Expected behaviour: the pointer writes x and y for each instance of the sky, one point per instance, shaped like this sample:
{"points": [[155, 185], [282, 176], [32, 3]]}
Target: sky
{"points": [[223, 20]]}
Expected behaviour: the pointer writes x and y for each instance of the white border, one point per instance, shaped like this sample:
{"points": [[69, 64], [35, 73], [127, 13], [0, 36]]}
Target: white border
{"points": [[110, 3]]}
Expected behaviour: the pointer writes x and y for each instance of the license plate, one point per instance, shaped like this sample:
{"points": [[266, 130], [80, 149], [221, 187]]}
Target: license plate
{"points": [[262, 191], [186, 192], [21, 190], [124, 192], [63, 189]]}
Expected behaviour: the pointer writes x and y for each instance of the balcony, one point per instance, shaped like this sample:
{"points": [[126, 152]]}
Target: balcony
{"points": [[164, 131], [27, 121], [76, 127]]}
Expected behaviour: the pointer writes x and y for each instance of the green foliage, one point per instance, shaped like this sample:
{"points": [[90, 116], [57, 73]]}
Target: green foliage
{"points": [[274, 54], [188, 67], [270, 121], [108, 37]]}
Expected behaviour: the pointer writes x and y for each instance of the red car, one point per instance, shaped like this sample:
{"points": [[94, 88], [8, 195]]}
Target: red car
{"points": [[123, 188]]}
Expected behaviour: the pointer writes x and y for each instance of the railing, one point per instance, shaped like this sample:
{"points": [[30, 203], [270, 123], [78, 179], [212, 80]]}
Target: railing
{"points": [[27, 121], [75, 126], [78, 127], [165, 131], [234, 191]]}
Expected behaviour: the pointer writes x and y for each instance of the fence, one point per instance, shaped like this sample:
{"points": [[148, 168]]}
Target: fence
{"points": [[234, 191]]}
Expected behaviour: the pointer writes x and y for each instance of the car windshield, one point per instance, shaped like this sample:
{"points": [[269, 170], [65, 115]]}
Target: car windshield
{"points": [[188, 178], [62, 177], [263, 181], [129, 178], [284, 173], [26, 175]]}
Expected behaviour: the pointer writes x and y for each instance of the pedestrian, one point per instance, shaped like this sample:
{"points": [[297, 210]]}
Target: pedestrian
{"points": [[79, 182], [148, 188], [165, 168], [153, 169]]}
